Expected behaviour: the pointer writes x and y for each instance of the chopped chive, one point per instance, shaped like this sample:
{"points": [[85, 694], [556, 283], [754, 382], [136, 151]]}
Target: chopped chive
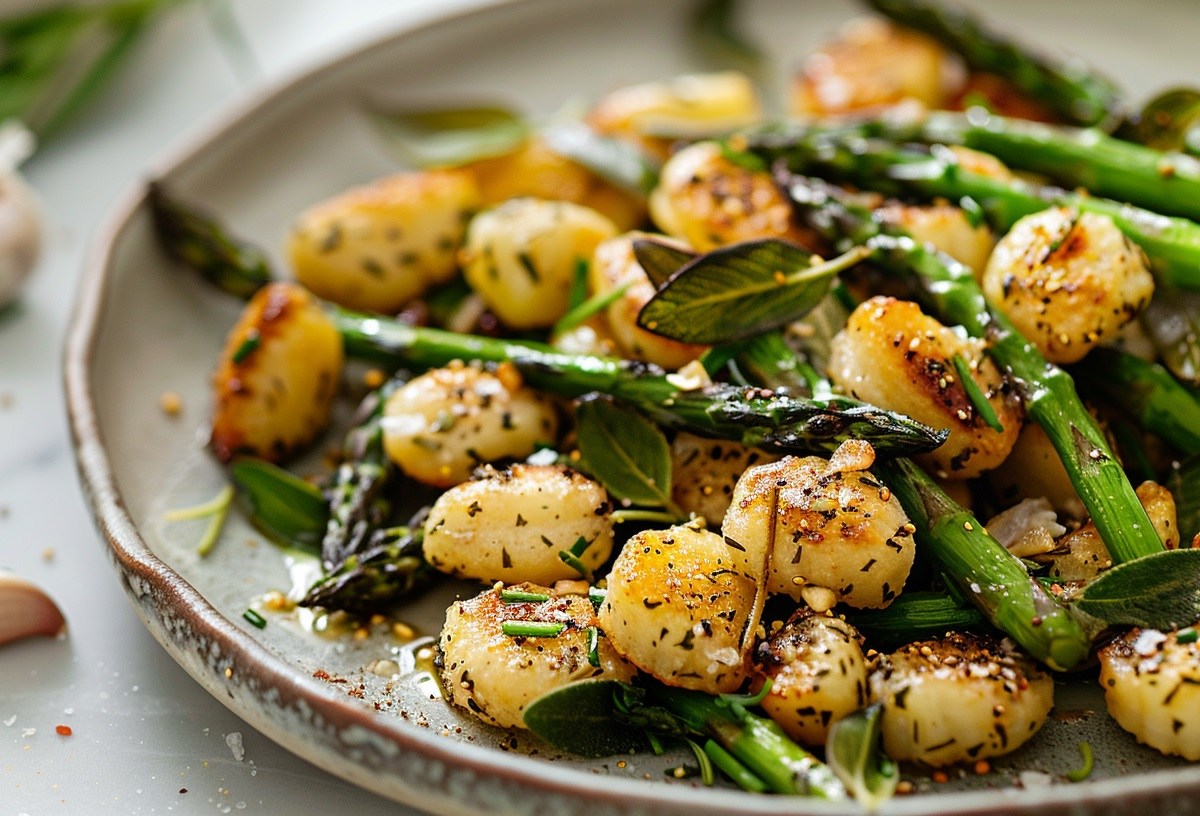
{"points": [[593, 636], [735, 770], [571, 557], [256, 620], [656, 746], [976, 396], [515, 628], [249, 344], [972, 210], [519, 595], [1188, 635], [589, 307], [702, 759], [1084, 771], [216, 511], [597, 595], [749, 700], [578, 293]]}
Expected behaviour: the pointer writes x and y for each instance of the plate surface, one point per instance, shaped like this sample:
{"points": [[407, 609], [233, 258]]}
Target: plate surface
{"points": [[143, 328]]}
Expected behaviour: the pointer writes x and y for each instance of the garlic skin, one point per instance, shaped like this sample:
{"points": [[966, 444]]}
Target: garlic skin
{"points": [[25, 610], [20, 215]]}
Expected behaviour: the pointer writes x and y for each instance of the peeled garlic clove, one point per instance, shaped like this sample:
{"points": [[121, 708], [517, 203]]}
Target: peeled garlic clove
{"points": [[26, 611]]}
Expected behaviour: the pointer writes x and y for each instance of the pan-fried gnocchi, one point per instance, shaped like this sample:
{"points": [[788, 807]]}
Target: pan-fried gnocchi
{"points": [[375, 248], [706, 200], [827, 533], [534, 170], [442, 425], [277, 376], [521, 257], [960, 698], [511, 525], [680, 610], [691, 106], [1068, 280], [1151, 682], [818, 674], [478, 660], [893, 356], [706, 471]]}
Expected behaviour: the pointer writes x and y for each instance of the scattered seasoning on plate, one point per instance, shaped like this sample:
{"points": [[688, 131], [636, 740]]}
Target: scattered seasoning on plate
{"points": [[63, 730], [170, 403]]}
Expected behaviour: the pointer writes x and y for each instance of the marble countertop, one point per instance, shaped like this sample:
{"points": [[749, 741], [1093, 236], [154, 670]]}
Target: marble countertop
{"points": [[145, 738]]}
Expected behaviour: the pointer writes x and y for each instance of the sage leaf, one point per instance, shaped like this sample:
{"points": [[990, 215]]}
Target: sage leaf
{"points": [[625, 451], [449, 136], [1169, 121], [741, 290], [282, 506], [1184, 484], [615, 161], [660, 260], [579, 719], [854, 752], [1158, 591]]}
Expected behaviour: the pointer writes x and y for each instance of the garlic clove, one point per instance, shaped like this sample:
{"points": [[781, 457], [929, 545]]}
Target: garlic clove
{"points": [[25, 610]]}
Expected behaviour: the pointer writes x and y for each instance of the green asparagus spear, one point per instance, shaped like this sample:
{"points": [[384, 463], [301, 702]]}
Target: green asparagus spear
{"points": [[357, 505], [1165, 182], [196, 239], [758, 742], [774, 421], [915, 616], [992, 578], [951, 291], [1173, 244], [1069, 89], [387, 569], [1149, 393]]}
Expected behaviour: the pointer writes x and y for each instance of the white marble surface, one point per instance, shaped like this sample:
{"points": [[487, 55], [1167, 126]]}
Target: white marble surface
{"points": [[143, 731]]}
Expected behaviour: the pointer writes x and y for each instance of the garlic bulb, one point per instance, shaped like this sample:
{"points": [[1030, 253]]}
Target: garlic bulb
{"points": [[20, 216]]}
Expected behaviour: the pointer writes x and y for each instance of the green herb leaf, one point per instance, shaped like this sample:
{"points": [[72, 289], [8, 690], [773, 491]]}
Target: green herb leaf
{"points": [[579, 285], [1158, 591], [578, 718], [1085, 770], [741, 290], [450, 136], [532, 629], [1172, 319], [855, 754], [659, 260], [280, 505], [588, 308], [979, 400], [255, 619], [614, 160], [1169, 121], [625, 451]]}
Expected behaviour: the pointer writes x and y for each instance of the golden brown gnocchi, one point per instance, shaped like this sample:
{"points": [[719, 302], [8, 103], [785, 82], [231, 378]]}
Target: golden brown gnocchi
{"points": [[277, 375]]}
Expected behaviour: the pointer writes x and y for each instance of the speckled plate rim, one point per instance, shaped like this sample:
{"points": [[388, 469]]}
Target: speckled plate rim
{"points": [[388, 756]]}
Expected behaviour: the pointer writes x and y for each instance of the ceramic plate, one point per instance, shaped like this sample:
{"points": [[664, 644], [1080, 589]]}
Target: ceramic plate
{"points": [[144, 327]]}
